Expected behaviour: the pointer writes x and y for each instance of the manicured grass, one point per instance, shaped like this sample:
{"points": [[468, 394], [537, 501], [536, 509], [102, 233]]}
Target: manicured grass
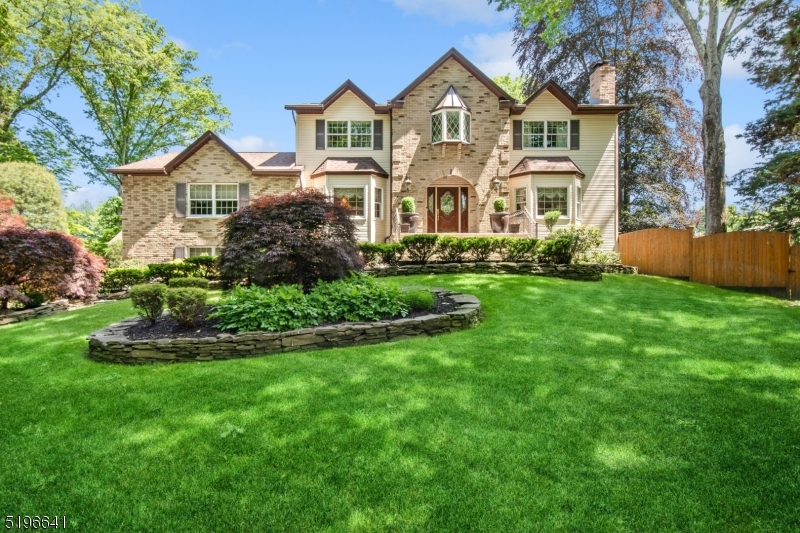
{"points": [[636, 404]]}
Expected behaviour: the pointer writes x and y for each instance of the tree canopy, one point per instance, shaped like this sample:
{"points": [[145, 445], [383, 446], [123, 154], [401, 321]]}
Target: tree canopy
{"points": [[36, 195]]}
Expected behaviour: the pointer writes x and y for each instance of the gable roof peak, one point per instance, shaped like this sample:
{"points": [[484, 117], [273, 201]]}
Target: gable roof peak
{"points": [[348, 85], [464, 62]]}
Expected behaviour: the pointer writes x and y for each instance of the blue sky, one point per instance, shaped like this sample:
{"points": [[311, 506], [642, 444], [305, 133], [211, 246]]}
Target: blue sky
{"points": [[263, 55]]}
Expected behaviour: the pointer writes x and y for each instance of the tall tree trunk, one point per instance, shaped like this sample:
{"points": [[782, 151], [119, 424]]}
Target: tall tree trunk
{"points": [[713, 148]]}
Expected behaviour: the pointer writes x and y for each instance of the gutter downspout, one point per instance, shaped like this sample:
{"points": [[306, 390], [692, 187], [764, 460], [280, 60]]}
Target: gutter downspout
{"points": [[391, 177]]}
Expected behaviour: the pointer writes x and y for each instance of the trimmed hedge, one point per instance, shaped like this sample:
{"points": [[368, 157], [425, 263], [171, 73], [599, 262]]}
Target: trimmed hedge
{"points": [[187, 305], [199, 283], [120, 279], [149, 300], [420, 247]]}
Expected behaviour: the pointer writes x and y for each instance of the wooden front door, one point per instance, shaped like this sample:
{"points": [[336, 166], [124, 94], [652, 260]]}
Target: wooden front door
{"points": [[447, 200]]}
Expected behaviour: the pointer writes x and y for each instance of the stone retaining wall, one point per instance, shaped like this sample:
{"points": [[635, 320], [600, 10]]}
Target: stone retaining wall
{"points": [[112, 345], [28, 314], [581, 272]]}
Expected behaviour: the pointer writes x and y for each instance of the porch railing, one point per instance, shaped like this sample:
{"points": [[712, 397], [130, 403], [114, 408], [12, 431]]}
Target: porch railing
{"points": [[529, 224]]}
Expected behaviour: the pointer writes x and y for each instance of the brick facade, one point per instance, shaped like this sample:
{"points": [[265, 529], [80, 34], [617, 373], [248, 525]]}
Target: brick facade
{"points": [[414, 156], [150, 229]]}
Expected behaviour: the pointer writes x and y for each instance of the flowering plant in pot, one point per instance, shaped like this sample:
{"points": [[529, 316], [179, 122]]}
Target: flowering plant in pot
{"points": [[499, 219], [408, 214]]}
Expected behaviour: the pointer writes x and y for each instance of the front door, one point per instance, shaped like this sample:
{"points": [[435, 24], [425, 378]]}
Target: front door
{"points": [[447, 220]]}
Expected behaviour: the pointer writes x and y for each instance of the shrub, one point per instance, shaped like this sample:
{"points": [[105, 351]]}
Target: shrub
{"points": [[358, 298], [113, 254], [550, 219], [407, 205], [11, 294], [369, 252], [452, 249], [499, 205], [391, 253], [164, 272], [187, 305], [420, 247], [119, 279], [36, 193], [602, 258], [35, 299], [482, 247], [133, 263], [201, 266], [149, 300], [199, 283], [418, 300], [50, 262], [557, 251], [255, 308], [521, 249], [582, 239], [299, 237]]}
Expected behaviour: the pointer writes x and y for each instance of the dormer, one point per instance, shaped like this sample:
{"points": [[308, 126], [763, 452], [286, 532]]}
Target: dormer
{"points": [[451, 120]]}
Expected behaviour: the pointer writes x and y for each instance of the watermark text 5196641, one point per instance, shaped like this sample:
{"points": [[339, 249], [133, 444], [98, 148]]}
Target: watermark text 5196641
{"points": [[36, 522]]}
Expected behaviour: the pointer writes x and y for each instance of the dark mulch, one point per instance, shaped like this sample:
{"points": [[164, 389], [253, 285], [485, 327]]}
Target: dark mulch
{"points": [[166, 328]]}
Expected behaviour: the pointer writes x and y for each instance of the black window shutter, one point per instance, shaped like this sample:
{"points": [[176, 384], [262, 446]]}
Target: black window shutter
{"points": [[180, 199], [321, 134], [377, 143], [517, 135], [180, 252], [574, 134], [244, 195]]}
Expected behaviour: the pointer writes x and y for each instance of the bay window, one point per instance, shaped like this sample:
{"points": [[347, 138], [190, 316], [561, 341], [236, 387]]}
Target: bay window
{"points": [[451, 125], [551, 199], [351, 199]]}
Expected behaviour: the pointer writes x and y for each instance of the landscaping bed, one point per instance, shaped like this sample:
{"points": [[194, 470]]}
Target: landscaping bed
{"points": [[136, 341]]}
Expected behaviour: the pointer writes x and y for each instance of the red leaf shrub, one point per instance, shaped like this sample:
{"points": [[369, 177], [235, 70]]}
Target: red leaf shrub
{"points": [[8, 219], [299, 237], [50, 262]]}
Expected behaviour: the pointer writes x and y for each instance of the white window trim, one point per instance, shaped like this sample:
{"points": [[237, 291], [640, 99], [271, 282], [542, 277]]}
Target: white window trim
{"points": [[375, 201], [366, 200], [349, 135], [568, 216], [461, 121], [213, 201], [190, 248], [545, 147], [514, 199], [578, 203]]}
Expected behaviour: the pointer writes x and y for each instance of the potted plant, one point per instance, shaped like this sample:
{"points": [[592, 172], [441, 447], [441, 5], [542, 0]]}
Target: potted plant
{"points": [[408, 214], [499, 219]]}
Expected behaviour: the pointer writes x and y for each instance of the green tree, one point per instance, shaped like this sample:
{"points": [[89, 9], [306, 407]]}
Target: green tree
{"points": [[96, 226], [773, 187], [659, 139], [713, 27], [515, 86], [36, 194], [144, 97]]}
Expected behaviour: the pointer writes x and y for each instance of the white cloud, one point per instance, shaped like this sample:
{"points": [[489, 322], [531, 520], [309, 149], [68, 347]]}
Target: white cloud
{"points": [[493, 54], [250, 143], [186, 45], [737, 152], [94, 194], [452, 11], [732, 68]]}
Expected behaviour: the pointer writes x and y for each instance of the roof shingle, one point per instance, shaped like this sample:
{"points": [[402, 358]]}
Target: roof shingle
{"points": [[546, 165], [349, 165]]}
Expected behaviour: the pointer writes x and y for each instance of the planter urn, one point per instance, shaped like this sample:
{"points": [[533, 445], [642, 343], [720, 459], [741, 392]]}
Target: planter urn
{"points": [[412, 219], [499, 222]]}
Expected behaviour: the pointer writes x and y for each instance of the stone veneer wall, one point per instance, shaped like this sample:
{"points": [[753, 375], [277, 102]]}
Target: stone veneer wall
{"points": [[150, 229], [28, 314], [580, 272], [414, 156], [111, 345]]}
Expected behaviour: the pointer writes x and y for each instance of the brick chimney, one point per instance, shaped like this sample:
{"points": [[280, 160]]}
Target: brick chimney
{"points": [[603, 84]]}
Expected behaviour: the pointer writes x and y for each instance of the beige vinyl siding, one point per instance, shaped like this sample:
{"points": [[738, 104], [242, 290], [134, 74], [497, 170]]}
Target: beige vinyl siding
{"points": [[596, 158], [365, 227], [347, 107], [382, 227]]}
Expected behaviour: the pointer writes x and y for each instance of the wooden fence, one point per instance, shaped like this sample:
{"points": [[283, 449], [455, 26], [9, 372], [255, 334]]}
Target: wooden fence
{"points": [[744, 259]]}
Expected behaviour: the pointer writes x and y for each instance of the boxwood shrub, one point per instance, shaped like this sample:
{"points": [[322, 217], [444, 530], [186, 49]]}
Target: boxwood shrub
{"points": [[119, 279], [518, 249], [418, 300], [481, 247], [187, 305], [199, 283], [149, 300], [557, 251], [420, 247], [452, 249]]}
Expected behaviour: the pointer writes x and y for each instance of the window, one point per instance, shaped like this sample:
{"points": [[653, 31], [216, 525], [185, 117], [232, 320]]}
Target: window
{"points": [[578, 203], [451, 126], [533, 134], [349, 134], [558, 134], [520, 198], [208, 200], [197, 252], [378, 203], [545, 134], [551, 199], [350, 199]]}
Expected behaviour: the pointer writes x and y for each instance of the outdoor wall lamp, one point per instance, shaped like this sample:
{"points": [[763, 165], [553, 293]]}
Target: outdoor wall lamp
{"points": [[407, 184], [495, 184]]}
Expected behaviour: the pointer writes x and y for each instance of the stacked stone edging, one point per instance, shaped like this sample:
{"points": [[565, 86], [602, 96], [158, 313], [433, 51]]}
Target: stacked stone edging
{"points": [[27, 314], [110, 344], [581, 272]]}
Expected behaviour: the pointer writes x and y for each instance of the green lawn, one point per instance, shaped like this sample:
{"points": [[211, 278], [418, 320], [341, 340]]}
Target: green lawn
{"points": [[636, 404]]}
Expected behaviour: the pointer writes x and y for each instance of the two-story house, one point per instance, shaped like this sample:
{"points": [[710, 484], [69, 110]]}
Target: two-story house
{"points": [[452, 139]]}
